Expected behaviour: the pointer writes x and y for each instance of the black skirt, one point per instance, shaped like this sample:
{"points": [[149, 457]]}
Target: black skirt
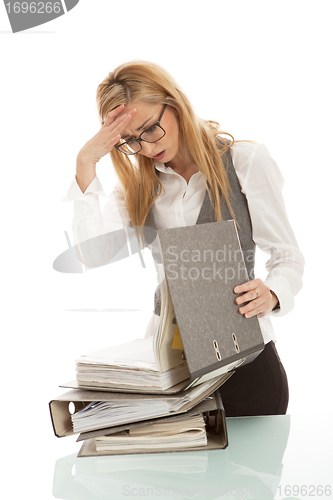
{"points": [[258, 388]]}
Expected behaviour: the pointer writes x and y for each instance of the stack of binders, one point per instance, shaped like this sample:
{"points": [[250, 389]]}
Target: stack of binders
{"points": [[160, 393]]}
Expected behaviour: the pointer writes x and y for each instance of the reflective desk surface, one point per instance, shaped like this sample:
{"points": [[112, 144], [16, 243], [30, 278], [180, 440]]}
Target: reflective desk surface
{"points": [[276, 457]]}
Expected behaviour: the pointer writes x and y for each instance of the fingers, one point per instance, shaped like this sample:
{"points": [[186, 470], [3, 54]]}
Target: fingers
{"points": [[112, 129], [117, 123], [121, 122], [257, 296], [254, 307], [250, 291], [107, 137], [113, 114], [250, 285]]}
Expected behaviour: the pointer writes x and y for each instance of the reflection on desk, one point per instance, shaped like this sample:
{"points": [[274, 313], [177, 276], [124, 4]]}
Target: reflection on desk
{"points": [[250, 468]]}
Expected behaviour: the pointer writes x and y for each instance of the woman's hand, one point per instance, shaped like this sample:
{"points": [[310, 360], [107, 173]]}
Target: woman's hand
{"points": [[100, 145], [261, 300]]}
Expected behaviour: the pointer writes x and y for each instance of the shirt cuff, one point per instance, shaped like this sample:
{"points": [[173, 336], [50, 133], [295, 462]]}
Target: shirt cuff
{"points": [[283, 293], [75, 193]]}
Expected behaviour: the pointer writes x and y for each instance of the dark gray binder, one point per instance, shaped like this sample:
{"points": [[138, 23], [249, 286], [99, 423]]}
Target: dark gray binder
{"points": [[203, 264]]}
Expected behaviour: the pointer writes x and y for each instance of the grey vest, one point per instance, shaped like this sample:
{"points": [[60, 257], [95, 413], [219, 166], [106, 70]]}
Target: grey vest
{"points": [[239, 205]]}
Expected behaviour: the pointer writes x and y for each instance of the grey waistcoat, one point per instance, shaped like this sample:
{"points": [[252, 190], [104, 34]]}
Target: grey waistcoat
{"points": [[239, 205]]}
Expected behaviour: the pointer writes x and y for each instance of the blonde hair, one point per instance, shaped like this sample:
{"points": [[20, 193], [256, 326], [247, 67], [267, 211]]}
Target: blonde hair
{"points": [[198, 141]]}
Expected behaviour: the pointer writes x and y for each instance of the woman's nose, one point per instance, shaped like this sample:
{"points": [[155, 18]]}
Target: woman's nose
{"points": [[147, 148]]}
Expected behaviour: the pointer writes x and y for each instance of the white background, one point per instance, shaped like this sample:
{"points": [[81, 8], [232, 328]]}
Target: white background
{"points": [[261, 69]]}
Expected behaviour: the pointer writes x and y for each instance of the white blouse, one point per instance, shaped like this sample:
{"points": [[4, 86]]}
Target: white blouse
{"points": [[179, 205]]}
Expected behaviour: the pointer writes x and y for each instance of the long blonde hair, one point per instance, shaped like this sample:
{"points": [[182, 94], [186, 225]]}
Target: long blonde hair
{"points": [[140, 80]]}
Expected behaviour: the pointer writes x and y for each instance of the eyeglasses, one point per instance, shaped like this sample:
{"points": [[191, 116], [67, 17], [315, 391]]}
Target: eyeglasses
{"points": [[152, 134]]}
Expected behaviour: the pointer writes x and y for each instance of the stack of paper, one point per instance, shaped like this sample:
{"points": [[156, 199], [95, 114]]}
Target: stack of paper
{"points": [[102, 414], [144, 380], [199, 339], [187, 432], [128, 366], [201, 427]]}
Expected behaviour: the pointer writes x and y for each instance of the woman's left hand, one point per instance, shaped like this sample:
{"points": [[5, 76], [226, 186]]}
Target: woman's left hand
{"points": [[260, 298]]}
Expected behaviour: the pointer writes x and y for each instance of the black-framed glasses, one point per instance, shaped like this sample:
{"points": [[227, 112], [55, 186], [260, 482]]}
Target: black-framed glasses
{"points": [[152, 134]]}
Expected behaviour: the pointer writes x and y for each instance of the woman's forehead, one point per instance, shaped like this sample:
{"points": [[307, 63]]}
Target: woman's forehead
{"points": [[146, 114], [142, 107]]}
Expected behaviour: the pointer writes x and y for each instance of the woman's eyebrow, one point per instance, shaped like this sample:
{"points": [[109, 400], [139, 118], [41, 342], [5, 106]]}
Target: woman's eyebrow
{"points": [[140, 128]]}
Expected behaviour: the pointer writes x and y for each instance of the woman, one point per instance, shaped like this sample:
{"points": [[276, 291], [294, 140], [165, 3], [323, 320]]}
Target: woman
{"points": [[169, 163]]}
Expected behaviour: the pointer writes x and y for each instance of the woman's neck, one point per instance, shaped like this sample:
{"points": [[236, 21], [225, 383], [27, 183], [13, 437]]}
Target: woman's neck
{"points": [[183, 166]]}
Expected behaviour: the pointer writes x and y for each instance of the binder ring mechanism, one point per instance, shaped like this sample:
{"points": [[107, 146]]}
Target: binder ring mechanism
{"points": [[216, 347], [234, 338], [217, 351]]}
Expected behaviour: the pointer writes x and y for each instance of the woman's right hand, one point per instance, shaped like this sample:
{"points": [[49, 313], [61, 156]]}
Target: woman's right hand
{"points": [[100, 145]]}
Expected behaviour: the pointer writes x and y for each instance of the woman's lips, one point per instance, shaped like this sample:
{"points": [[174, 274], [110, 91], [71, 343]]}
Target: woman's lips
{"points": [[160, 156]]}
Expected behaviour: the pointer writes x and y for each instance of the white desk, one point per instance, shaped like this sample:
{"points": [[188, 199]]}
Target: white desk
{"points": [[278, 457]]}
